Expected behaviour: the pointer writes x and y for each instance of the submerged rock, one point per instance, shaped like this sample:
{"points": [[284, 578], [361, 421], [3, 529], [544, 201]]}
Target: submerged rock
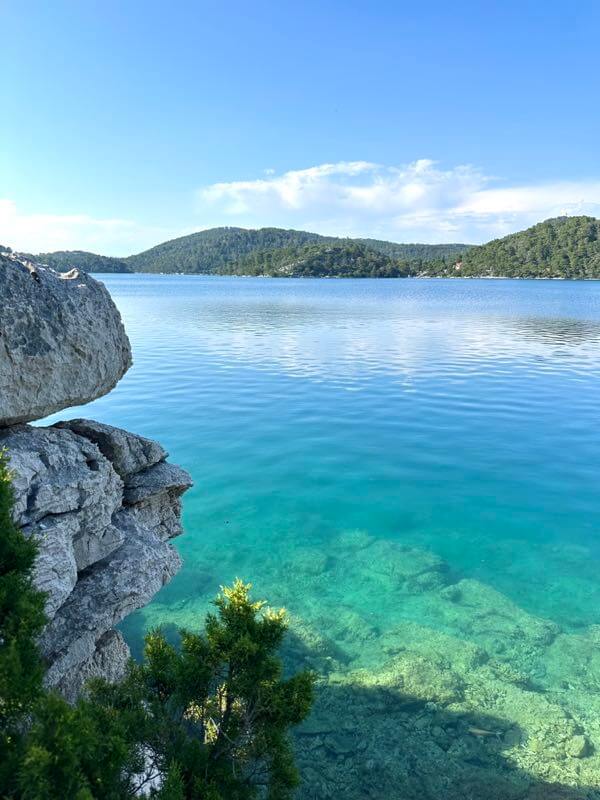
{"points": [[577, 746], [62, 342]]}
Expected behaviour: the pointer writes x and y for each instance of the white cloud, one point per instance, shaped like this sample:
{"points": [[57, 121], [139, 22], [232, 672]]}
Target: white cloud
{"points": [[38, 232], [415, 202], [420, 201]]}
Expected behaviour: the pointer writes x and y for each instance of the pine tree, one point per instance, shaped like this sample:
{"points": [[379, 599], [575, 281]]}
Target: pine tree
{"points": [[21, 621]]}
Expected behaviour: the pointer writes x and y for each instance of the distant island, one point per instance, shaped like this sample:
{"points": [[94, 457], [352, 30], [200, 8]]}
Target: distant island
{"points": [[564, 247], [65, 260], [267, 251]]}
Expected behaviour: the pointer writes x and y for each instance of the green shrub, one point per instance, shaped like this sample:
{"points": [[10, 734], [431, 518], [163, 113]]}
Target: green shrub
{"points": [[208, 720], [21, 621], [213, 715]]}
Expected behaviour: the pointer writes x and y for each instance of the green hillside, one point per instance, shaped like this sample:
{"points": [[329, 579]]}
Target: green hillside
{"points": [[342, 259], [564, 247], [214, 250], [416, 252], [209, 251], [217, 249], [64, 260]]}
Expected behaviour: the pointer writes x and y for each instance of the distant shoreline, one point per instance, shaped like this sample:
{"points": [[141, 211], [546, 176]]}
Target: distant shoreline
{"points": [[353, 277]]}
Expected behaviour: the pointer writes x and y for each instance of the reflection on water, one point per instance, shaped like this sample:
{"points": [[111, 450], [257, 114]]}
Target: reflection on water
{"points": [[556, 331], [411, 468]]}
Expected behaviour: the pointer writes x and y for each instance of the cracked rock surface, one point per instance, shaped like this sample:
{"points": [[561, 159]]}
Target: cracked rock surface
{"points": [[103, 536], [101, 502]]}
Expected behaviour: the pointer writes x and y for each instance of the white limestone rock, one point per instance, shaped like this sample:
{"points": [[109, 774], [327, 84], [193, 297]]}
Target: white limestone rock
{"points": [[109, 590], [127, 452], [62, 342], [109, 660], [66, 493]]}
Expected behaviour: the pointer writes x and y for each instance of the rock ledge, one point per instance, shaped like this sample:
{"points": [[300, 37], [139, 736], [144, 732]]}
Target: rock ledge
{"points": [[103, 532]]}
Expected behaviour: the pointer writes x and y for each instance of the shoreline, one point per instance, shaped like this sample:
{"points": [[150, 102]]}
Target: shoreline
{"points": [[356, 278]]}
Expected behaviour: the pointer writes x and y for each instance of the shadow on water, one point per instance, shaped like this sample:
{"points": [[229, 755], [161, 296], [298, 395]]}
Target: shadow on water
{"points": [[381, 743], [377, 742], [369, 743]]}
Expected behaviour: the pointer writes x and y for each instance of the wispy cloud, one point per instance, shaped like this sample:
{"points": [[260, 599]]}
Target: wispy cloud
{"points": [[40, 232], [418, 201]]}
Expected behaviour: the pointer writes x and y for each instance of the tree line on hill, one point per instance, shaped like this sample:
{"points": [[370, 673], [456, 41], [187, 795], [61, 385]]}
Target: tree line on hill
{"points": [[564, 247], [65, 260], [345, 260], [226, 251]]}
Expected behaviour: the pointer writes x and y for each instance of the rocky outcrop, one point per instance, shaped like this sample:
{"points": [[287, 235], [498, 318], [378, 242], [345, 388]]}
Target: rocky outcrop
{"points": [[101, 502], [103, 534], [62, 342]]}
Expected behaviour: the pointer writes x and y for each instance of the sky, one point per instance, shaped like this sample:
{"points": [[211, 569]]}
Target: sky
{"points": [[126, 123]]}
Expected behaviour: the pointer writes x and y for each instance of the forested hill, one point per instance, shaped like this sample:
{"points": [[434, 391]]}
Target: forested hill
{"points": [[208, 251], [419, 252], [218, 250], [563, 247], [64, 260], [212, 251], [341, 259]]}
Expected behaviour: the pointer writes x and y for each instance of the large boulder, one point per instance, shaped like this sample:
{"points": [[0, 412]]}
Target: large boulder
{"points": [[62, 342]]}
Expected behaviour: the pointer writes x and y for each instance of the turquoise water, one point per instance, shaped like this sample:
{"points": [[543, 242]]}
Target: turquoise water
{"points": [[410, 468]]}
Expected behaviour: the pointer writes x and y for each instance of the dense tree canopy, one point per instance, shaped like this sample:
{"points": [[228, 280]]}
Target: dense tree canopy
{"points": [[209, 251], [345, 259], [564, 247], [225, 250], [65, 260], [414, 252], [229, 250]]}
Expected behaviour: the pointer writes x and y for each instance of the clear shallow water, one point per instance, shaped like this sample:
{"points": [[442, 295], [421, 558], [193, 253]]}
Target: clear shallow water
{"points": [[411, 468]]}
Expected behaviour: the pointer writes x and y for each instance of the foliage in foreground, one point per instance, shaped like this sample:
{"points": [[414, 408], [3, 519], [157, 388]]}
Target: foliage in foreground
{"points": [[21, 620], [208, 720]]}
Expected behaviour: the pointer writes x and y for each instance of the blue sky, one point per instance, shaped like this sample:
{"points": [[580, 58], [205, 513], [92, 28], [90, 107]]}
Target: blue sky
{"points": [[126, 123]]}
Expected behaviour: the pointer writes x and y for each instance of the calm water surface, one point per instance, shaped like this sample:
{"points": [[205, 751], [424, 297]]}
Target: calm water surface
{"points": [[404, 465]]}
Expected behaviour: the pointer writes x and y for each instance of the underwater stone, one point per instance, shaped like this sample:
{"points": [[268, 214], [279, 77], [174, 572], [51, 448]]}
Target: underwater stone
{"points": [[577, 746]]}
